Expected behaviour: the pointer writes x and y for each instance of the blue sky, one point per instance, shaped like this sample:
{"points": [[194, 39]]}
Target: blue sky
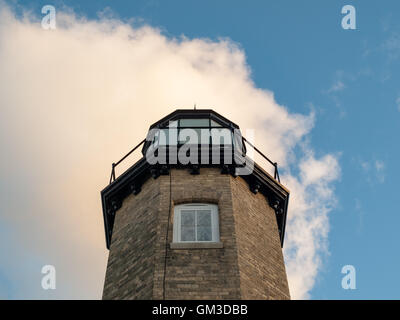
{"points": [[349, 78]]}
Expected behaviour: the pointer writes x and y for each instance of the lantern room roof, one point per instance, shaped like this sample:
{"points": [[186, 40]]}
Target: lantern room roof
{"points": [[193, 114]]}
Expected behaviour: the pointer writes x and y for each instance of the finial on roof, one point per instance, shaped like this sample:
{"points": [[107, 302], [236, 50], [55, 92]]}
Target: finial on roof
{"points": [[194, 106]]}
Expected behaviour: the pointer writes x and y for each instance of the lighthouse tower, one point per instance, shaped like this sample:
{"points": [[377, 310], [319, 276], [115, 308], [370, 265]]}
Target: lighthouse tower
{"points": [[195, 217]]}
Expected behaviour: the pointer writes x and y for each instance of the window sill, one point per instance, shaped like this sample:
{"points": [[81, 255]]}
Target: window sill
{"points": [[196, 245]]}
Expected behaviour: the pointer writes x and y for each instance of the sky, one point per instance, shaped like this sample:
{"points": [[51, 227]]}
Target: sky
{"points": [[324, 103]]}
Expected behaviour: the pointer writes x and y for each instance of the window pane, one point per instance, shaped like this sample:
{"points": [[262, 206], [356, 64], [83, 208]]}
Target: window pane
{"points": [[204, 234], [188, 225], [204, 218], [187, 234], [204, 225], [194, 123], [187, 218]]}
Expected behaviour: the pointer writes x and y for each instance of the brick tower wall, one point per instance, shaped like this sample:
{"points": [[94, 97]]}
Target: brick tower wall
{"points": [[260, 258], [130, 267], [249, 266]]}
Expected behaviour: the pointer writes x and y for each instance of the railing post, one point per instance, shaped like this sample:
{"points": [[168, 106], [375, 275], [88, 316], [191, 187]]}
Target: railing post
{"points": [[277, 173], [112, 178]]}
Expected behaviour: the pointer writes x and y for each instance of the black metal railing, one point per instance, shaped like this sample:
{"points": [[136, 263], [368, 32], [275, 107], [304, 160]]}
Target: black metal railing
{"points": [[274, 164], [114, 165]]}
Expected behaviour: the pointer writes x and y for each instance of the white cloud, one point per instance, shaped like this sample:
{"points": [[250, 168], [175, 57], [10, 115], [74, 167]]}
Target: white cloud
{"points": [[360, 212], [337, 86], [380, 170], [391, 46], [312, 197], [76, 98], [374, 170]]}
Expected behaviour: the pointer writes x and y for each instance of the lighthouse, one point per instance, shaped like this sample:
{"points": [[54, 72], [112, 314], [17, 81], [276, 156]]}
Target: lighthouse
{"points": [[195, 217]]}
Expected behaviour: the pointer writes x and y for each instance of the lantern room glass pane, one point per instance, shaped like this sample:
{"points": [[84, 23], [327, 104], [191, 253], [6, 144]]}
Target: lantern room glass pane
{"points": [[194, 122], [173, 124], [221, 136], [215, 124], [167, 137], [190, 135], [163, 137]]}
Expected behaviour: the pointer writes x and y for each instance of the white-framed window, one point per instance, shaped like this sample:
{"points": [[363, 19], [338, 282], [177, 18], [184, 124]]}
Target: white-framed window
{"points": [[196, 222]]}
